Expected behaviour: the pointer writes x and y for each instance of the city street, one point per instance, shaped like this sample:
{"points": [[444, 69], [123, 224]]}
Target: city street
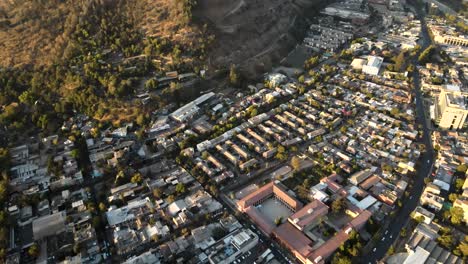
{"points": [[427, 160]]}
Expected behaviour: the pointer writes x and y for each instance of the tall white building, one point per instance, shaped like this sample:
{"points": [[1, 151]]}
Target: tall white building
{"points": [[451, 111]]}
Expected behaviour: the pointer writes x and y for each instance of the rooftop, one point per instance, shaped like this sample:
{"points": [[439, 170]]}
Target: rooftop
{"points": [[308, 214]]}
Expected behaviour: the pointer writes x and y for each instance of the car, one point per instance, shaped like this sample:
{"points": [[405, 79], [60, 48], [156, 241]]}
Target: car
{"points": [[411, 197], [428, 161], [374, 249], [391, 236], [386, 231], [383, 238]]}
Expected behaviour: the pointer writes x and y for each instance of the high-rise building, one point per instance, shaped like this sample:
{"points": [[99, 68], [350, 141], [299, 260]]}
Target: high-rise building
{"points": [[450, 110]]}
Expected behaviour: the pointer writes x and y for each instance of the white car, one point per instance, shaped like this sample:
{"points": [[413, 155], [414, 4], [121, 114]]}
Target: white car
{"points": [[383, 238], [374, 249], [386, 231]]}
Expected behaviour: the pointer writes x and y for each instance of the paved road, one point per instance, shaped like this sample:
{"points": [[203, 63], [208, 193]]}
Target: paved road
{"points": [[410, 203]]}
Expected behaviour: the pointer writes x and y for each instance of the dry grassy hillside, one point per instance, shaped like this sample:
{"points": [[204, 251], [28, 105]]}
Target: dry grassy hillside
{"points": [[38, 31]]}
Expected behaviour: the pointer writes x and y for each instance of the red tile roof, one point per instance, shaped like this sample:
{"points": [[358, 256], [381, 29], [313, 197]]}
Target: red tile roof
{"points": [[368, 183], [260, 220], [256, 196], [294, 239], [265, 191], [359, 221], [327, 249], [308, 214]]}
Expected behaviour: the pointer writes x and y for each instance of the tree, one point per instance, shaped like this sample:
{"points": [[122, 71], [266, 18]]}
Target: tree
{"points": [[391, 250], [233, 76], [419, 219], [395, 111], [170, 198], [136, 178], [120, 175], [453, 197], [214, 190], [340, 259], [400, 61], [456, 215], [311, 62], [102, 207], [278, 221], [75, 153], [151, 84], [301, 79], [338, 205], [33, 250], [463, 247], [462, 168], [306, 183], [180, 188], [141, 119], [157, 193], [218, 233], [3, 190], [403, 232], [281, 153], [459, 183], [296, 163], [387, 167], [445, 240], [426, 54], [26, 98]]}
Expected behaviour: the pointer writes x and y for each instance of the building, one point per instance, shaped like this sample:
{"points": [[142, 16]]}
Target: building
{"points": [[308, 214], [360, 176], [450, 111], [191, 109], [309, 251], [145, 258], [373, 65], [423, 249], [432, 200], [232, 246], [267, 204], [425, 214], [358, 64], [272, 189], [129, 212], [49, 225], [443, 35]]}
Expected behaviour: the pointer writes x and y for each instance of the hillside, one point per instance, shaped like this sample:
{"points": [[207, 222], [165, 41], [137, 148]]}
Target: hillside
{"points": [[255, 34], [248, 32], [41, 32]]}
